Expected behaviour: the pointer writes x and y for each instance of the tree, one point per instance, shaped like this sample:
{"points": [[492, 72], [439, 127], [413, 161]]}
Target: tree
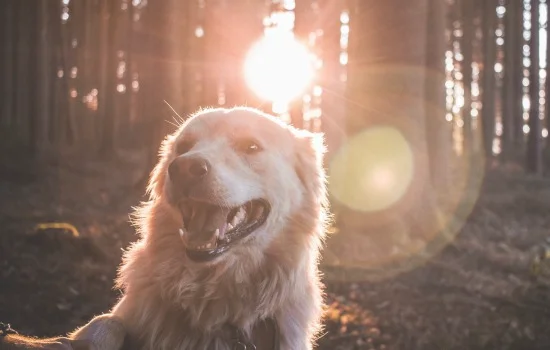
{"points": [[213, 36], [509, 90], [239, 31], [332, 122], [466, 45], [534, 141], [438, 129], [302, 28], [386, 91], [488, 78], [108, 64], [517, 81], [8, 61], [45, 75]]}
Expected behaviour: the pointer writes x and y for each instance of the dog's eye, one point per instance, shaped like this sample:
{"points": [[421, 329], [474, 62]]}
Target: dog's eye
{"points": [[183, 147], [249, 146]]}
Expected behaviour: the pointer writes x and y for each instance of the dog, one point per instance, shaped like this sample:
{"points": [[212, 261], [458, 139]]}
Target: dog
{"points": [[229, 241]]}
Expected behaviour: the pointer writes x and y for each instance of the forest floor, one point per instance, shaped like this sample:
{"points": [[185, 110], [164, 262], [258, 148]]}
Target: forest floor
{"points": [[478, 293]]}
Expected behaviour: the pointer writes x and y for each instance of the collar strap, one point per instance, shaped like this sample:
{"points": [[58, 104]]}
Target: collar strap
{"points": [[261, 341]]}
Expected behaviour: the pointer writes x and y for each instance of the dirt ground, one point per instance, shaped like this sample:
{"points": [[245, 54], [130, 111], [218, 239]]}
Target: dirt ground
{"points": [[478, 293]]}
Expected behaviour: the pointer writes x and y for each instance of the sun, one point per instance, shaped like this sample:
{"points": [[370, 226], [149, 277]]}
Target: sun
{"points": [[278, 68]]}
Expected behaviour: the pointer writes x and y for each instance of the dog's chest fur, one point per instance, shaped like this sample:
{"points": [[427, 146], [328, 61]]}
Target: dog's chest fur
{"points": [[192, 312]]}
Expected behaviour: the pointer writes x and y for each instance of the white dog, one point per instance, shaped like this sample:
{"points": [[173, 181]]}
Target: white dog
{"points": [[229, 241]]}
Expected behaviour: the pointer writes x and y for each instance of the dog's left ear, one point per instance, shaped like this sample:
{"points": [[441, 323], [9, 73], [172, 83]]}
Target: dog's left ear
{"points": [[310, 151], [157, 177]]}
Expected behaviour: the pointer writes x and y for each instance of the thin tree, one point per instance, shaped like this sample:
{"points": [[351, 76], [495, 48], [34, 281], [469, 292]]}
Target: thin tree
{"points": [[8, 48], [211, 60], [519, 136], [466, 44], [534, 141], [332, 106], [438, 129], [380, 91], [547, 80], [45, 75], [108, 65], [488, 77], [509, 89], [34, 116], [22, 63], [302, 28]]}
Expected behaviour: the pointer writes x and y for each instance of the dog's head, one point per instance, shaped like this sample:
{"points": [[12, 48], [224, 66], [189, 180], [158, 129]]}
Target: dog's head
{"points": [[235, 178]]}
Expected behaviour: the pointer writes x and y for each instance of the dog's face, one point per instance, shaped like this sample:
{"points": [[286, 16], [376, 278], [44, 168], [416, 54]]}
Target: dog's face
{"points": [[235, 177]]}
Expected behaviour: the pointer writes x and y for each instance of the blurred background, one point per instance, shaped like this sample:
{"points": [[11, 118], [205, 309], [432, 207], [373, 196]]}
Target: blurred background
{"points": [[435, 117]]}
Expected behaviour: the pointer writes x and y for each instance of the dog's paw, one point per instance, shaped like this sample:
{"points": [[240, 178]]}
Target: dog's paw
{"points": [[64, 343], [105, 332]]}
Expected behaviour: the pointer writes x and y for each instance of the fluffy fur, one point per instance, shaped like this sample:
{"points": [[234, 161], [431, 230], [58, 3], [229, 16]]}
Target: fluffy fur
{"points": [[170, 302]]}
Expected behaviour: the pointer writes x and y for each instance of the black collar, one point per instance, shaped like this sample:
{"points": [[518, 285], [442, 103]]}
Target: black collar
{"points": [[265, 333]]}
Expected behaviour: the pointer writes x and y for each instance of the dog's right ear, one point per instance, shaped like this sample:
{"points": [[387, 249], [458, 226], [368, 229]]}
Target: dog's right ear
{"points": [[158, 174], [310, 151]]}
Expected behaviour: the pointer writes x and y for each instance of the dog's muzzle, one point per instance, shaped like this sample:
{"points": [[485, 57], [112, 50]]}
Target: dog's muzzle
{"points": [[209, 228]]}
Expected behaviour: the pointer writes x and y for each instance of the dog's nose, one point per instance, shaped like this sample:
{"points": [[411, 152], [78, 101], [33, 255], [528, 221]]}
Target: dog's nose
{"points": [[198, 167], [188, 167]]}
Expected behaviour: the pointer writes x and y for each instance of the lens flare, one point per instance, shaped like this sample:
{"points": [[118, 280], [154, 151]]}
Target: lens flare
{"points": [[373, 170], [278, 68]]}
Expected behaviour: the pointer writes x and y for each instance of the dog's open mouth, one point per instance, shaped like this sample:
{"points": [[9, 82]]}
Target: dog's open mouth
{"points": [[210, 230]]}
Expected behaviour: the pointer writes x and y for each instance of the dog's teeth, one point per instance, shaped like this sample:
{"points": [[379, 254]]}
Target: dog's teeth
{"points": [[217, 233], [229, 227], [209, 245], [181, 232], [241, 213], [235, 221]]}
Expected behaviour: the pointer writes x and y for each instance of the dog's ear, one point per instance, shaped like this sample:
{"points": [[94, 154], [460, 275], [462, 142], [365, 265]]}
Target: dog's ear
{"points": [[310, 151], [157, 178]]}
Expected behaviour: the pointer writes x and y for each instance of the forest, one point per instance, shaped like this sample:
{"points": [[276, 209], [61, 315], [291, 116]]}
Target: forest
{"points": [[436, 122]]}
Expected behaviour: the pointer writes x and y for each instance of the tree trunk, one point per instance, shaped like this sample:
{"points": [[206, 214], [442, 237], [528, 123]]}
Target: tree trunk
{"points": [[161, 31], [83, 16], [439, 132], [69, 62], [387, 100], [43, 82], [129, 71], [211, 62], [519, 136], [509, 88], [59, 113], [21, 84], [534, 142], [8, 63], [384, 91], [107, 91], [245, 23], [332, 106], [35, 119], [488, 77], [466, 45], [302, 13]]}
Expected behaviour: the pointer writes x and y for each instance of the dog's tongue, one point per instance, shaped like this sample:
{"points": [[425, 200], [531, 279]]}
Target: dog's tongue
{"points": [[206, 218]]}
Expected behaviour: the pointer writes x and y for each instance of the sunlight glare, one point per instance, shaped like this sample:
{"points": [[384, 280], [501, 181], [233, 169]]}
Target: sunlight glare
{"points": [[373, 170], [278, 68]]}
